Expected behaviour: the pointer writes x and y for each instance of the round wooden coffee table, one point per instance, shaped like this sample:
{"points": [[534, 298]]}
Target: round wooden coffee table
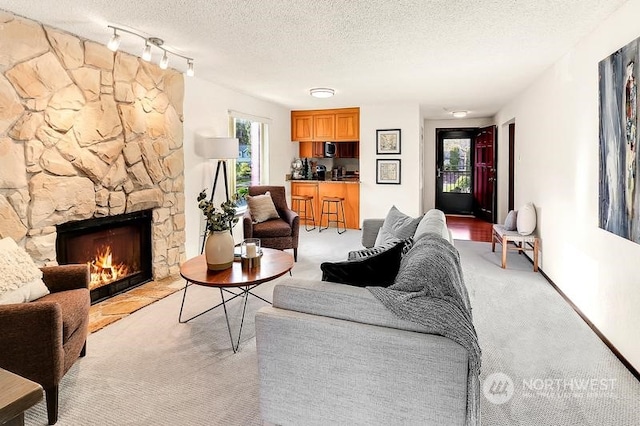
{"points": [[274, 263]]}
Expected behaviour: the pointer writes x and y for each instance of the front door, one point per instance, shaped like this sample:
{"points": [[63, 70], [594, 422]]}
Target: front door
{"points": [[485, 178], [453, 172]]}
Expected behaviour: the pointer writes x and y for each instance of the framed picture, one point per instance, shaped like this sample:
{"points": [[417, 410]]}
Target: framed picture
{"points": [[388, 171], [388, 141], [619, 204]]}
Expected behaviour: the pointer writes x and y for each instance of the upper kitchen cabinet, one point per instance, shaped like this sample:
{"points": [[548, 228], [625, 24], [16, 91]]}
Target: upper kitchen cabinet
{"points": [[311, 149], [301, 126], [326, 125], [348, 125]]}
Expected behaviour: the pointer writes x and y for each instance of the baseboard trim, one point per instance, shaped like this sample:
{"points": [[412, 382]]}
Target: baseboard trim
{"points": [[592, 326]]}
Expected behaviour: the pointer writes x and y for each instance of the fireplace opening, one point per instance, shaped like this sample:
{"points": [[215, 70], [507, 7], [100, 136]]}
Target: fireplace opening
{"points": [[116, 248]]}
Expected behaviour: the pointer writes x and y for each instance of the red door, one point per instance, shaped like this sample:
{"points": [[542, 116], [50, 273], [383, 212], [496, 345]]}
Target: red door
{"points": [[485, 178]]}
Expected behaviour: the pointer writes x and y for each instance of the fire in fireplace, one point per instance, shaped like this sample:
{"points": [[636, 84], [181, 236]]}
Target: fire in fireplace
{"points": [[116, 248]]}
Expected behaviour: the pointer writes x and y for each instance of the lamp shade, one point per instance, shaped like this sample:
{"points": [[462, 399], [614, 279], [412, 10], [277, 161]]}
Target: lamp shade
{"points": [[208, 146]]}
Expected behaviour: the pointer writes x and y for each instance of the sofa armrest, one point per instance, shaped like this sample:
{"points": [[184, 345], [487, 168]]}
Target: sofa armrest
{"points": [[66, 277], [370, 228], [31, 340], [247, 224], [289, 216], [292, 218]]}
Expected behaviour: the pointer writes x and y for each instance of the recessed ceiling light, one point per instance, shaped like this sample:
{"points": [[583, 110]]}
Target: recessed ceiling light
{"points": [[459, 114], [322, 92]]}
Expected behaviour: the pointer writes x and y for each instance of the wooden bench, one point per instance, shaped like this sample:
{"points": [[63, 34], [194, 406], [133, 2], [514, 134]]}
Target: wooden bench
{"points": [[520, 243]]}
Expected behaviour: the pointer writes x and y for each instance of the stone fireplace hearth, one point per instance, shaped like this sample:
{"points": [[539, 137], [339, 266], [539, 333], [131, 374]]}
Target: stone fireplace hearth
{"points": [[87, 133]]}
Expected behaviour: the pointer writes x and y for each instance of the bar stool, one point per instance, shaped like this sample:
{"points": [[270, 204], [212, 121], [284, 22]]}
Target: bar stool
{"points": [[303, 209], [337, 202]]}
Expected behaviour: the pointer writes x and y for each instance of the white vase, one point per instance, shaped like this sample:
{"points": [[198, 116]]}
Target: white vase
{"points": [[218, 250]]}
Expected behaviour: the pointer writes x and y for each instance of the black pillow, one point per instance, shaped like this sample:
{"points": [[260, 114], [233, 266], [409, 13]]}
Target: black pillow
{"points": [[378, 270]]}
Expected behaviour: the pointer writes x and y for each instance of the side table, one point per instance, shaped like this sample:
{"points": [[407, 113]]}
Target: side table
{"points": [[17, 395]]}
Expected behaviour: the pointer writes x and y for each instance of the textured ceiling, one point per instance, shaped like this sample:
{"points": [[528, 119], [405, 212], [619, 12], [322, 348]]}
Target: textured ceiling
{"points": [[441, 54]]}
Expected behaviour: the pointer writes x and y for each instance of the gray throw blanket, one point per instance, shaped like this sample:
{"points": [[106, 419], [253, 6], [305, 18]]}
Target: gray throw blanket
{"points": [[429, 290]]}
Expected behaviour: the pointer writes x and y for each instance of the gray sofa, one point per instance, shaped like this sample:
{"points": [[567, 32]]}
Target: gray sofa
{"points": [[334, 354]]}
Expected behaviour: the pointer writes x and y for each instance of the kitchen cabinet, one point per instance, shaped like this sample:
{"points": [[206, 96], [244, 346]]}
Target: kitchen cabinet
{"points": [[307, 188], [348, 125], [347, 150], [311, 150], [350, 191], [301, 126], [316, 150], [324, 127]]}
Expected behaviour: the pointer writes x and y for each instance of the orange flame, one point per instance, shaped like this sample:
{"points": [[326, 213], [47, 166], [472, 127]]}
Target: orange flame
{"points": [[103, 271]]}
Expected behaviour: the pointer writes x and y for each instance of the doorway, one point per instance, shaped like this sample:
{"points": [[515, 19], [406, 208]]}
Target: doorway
{"points": [[454, 149], [466, 177]]}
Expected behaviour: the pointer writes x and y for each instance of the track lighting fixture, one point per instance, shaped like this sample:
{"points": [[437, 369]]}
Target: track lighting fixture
{"points": [[149, 42]]}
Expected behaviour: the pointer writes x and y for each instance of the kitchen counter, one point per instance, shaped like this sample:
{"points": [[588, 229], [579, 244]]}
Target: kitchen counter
{"points": [[339, 180], [348, 190]]}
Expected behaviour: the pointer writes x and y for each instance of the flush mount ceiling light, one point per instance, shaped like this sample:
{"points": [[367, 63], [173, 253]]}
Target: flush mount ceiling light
{"points": [[149, 42], [459, 114], [322, 92]]}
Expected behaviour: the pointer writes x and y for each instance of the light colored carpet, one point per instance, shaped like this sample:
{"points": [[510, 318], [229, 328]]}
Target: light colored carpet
{"points": [[147, 369]]}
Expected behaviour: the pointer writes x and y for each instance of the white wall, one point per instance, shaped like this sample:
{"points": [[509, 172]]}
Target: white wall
{"points": [[206, 105], [429, 154], [375, 199], [557, 169]]}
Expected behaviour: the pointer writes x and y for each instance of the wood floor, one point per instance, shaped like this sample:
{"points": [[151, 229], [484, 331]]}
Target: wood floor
{"points": [[469, 228]]}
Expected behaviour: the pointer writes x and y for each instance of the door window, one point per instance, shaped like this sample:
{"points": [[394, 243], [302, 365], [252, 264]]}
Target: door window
{"points": [[456, 173]]}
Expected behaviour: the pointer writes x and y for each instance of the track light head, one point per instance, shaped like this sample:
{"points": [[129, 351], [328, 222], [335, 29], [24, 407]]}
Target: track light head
{"points": [[190, 71], [164, 62], [146, 53], [114, 43]]}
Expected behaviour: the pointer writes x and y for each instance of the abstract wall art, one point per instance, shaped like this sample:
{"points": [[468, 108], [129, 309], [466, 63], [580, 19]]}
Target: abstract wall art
{"points": [[619, 188]]}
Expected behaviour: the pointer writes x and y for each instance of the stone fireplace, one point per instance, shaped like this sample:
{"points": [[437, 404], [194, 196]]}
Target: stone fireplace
{"points": [[85, 134]]}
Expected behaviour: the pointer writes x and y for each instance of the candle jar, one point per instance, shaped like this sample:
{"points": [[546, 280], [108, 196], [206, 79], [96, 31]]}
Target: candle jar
{"points": [[250, 253]]}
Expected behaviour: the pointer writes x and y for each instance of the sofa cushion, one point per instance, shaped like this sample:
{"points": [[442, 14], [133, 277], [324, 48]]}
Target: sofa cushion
{"points": [[338, 301], [433, 222], [271, 228], [526, 222], [397, 225], [379, 269], [366, 252], [20, 278], [262, 207]]}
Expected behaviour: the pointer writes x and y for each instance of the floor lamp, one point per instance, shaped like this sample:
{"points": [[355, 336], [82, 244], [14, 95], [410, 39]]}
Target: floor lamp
{"points": [[220, 149]]}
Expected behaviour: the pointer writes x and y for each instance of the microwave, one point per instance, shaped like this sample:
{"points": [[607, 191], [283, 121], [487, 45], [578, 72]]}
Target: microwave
{"points": [[329, 149]]}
